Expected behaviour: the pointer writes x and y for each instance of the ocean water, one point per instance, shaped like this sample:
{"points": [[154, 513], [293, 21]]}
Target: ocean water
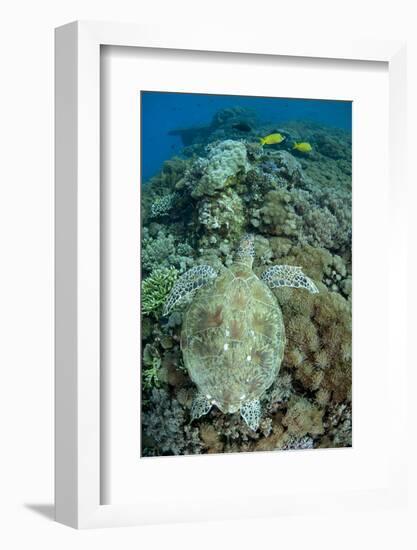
{"points": [[163, 112]]}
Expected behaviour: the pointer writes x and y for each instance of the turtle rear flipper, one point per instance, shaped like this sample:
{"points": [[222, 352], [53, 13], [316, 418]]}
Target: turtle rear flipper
{"points": [[251, 413], [287, 275], [187, 285], [200, 406]]}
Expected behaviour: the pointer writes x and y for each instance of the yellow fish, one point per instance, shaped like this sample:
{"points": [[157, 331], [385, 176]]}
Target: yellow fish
{"points": [[271, 139], [303, 147]]}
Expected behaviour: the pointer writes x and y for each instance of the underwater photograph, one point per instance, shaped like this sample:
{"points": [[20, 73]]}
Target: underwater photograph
{"points": [[245, 273]]}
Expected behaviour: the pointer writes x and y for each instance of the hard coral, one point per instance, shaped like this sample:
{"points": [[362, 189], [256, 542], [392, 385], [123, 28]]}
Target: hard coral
{"points": [[156, 288], [165, 430], [287, 167], [224, 162], [303, 418], [162, 205], [277, 216], [161, 250], [221, 218], [332, 316]]}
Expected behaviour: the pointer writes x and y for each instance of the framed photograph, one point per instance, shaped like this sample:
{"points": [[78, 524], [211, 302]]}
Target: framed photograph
{"points": [[228, 319]]}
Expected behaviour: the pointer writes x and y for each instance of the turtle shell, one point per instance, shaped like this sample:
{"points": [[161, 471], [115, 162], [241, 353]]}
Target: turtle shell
{"points": [[233, 338]]}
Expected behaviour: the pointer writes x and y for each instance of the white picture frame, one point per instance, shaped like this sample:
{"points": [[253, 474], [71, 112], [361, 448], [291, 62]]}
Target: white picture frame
{"points": [[78, 404]]}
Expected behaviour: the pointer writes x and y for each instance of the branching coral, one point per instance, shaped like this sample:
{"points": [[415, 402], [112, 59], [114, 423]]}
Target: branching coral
{"points": [[338, 425], [299, 443], [155, 290], [161, 250], [165, 428], [157, 250], [150, 376], [151, 367]]}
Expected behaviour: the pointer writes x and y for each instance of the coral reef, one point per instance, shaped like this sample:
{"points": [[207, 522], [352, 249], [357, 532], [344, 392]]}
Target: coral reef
{"points": [[221, 219], [299, 208], [156, 288], [163, 249], [165, 427], [277, 216], [162, 205], [225, 161], [303, 418], [285, 167]]}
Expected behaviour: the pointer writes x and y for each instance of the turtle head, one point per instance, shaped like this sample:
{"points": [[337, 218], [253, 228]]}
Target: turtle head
{"points": [[246, 250]]}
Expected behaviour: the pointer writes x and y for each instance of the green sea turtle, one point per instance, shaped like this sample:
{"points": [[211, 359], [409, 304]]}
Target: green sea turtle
{"points": [[233, 335]]}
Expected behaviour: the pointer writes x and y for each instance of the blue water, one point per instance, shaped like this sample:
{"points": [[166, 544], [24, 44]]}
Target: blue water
{"points": [[163, 112]]}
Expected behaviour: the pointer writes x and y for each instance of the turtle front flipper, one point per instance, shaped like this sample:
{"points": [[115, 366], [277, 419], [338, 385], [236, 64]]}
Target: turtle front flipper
{"points": [[287, 275], [251, 413], [187, 284], [200, 406]]}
